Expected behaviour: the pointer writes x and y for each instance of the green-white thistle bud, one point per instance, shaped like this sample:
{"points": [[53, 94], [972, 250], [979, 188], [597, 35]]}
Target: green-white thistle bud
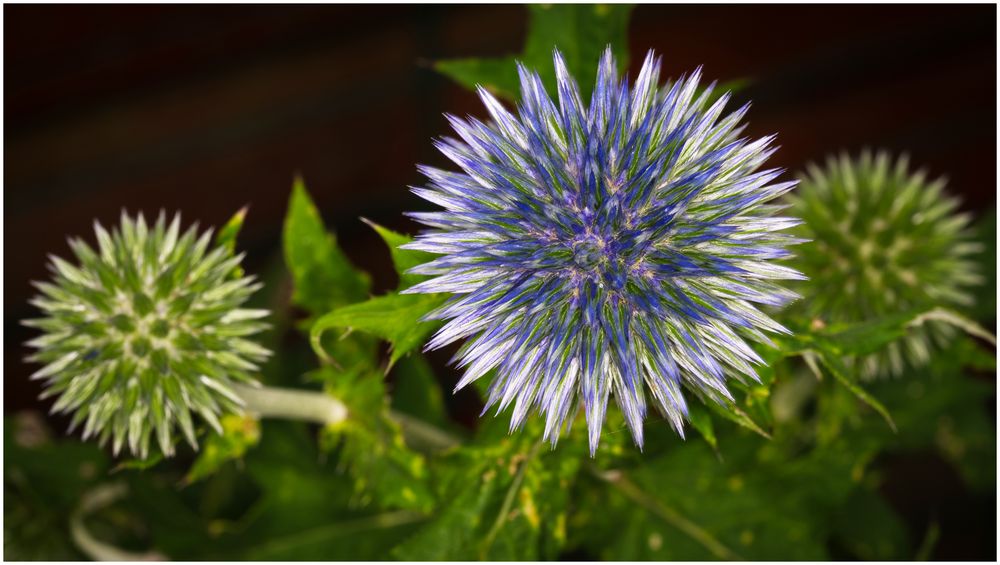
{"points": [[145, 331], [884, 240]]}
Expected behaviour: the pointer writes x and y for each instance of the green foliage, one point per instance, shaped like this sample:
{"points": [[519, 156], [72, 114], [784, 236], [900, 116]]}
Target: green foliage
{"points": [[402, 259], [986, 293], [580, 32], [384, 469], [417, 392], [42, 483], [239, 433], [701, 421], [866, 526], [393, 317], [322, 276], [503, 501], [764, 503], [227, 237]]}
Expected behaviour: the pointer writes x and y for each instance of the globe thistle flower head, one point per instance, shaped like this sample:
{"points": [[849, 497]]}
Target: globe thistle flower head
{"points": [[613, 249], [885, 239], [144, 331]]}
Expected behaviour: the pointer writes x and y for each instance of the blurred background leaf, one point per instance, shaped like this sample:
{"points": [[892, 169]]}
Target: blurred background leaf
{"points": [[580, 32]]}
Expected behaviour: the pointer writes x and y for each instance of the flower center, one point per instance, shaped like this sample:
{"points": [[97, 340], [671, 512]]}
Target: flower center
{"points": [[588, 253]]}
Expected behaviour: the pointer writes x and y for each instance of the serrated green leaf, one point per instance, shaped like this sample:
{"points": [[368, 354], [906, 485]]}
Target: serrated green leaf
{"points": [[323, 277], [392, 317], [402, 259], [580, 32]]}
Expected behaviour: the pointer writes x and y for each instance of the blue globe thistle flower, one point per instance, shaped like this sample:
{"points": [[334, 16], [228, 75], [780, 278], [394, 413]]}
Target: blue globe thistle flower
{"points": [[620, 248], [145, 331]]}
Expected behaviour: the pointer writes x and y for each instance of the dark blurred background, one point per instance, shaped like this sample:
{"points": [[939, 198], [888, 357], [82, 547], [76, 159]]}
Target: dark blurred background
{"points": [[203, 109]]}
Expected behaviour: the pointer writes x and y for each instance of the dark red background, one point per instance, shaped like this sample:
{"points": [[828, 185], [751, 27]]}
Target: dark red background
{"points": [[203, 109]]}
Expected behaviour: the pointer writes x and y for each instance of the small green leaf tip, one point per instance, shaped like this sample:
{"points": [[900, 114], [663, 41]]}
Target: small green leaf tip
{"points": [[144, 331], [885, 240]]}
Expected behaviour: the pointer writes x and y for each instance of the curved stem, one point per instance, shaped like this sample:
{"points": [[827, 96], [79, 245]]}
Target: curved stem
{"points": [[99, 498]]}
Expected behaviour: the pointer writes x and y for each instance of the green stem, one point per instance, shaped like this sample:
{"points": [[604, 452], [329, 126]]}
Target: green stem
{"points": [[508, 500], [321, 408], [289, 404], [95, 500], [420, 432], [667, 514]]}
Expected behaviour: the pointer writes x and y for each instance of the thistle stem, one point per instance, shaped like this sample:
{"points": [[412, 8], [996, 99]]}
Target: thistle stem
{"points": [[420, 432], [322, 408], [289, 404]]}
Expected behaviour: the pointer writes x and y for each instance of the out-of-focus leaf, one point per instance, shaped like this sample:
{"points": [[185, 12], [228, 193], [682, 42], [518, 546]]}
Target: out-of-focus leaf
{"points": [[701, 421], [986, 293], [580, 32], [307, 509], [756, 503], [303, 508], [944, 410], [240, 432], [832, 346], [499, 75], [324, 278], [139, 464], [227, 235], [392, 317], [43, 481], [836, 368], [870, 529], [416, 392], [868, 337], [506, 501], [735, 414]]}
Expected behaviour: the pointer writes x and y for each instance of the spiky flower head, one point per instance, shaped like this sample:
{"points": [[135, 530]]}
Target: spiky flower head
{"points": [[146, 330], [885, 239], [615, 248]]}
